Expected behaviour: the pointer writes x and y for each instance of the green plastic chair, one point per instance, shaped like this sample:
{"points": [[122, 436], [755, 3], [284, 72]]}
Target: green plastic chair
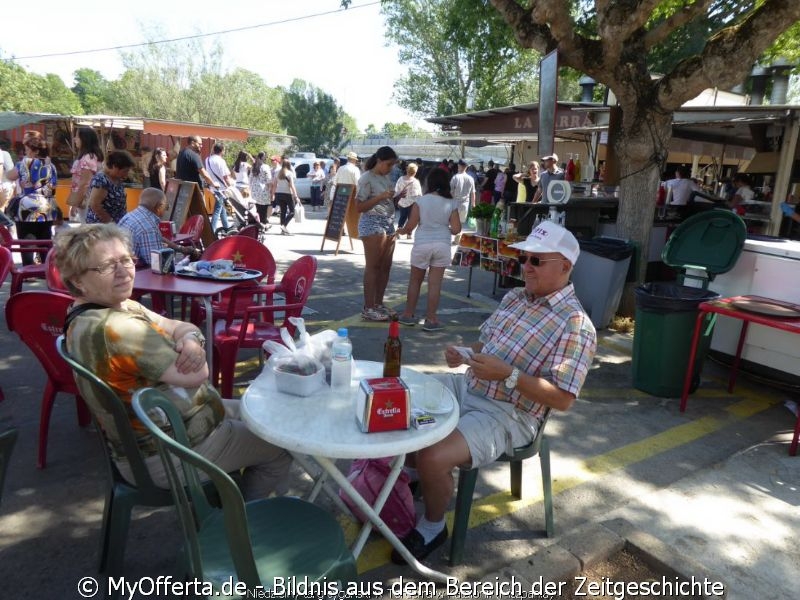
{"points": [[253, 542], [7, 440], [466, 487], [121, 496]]}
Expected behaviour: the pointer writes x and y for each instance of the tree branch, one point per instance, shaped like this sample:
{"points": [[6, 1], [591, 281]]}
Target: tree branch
{"points": [[529, 32], [729, 55], [548, 26], [663, 30]]}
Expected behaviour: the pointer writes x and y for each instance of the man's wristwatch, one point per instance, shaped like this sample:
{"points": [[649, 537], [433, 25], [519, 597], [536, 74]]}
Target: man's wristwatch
{"points": [[199, 337], [511, 381]]}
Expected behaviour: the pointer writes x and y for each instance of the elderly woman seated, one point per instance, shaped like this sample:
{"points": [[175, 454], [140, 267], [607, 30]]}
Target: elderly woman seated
{"points": [[129, 347]]}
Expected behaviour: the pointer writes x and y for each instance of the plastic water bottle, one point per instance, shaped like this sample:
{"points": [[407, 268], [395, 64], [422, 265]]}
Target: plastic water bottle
{"points": [[341, 361]]}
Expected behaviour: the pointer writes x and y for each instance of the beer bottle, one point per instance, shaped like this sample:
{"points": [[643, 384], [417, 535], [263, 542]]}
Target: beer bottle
{"points": [[392, 350]]}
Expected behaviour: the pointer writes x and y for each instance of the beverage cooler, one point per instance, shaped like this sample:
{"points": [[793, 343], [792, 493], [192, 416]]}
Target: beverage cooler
{"points": [[767, 267]]}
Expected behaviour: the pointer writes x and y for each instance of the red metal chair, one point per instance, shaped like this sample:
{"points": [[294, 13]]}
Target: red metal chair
{"points": [[6, 262], [38, 319], [52, 276], [20, 273], [244, 252], [258, 324]]}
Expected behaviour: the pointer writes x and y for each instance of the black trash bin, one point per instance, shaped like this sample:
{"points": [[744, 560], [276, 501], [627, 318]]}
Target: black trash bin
{"points": [[665, 320], [599, 276]]}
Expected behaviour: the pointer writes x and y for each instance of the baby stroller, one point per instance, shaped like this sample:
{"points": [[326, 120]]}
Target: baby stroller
{"points": [[240, 213]]}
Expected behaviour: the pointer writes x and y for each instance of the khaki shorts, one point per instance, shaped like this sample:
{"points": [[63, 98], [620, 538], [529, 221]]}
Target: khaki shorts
{"points": [[489, 427], [432, 254], [463, 211]]}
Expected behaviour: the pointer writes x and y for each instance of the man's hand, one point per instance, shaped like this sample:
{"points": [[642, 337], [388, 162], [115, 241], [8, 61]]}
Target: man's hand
{"points": [[191, 355], [453, 357], [488, 367]]}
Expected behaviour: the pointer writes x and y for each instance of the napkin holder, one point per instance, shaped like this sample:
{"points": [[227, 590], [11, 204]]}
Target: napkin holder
{"points": [[384, 404], [162, 261]]}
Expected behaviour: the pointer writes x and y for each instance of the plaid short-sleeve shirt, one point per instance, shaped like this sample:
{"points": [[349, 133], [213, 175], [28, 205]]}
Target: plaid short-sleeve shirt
{"points": [[549, 337]]}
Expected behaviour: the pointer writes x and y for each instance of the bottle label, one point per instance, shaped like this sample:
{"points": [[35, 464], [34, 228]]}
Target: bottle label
{"points": [[341, 352]]}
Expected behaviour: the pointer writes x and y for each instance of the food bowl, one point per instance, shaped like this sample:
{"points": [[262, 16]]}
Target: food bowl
{"points": [[299, 385]]}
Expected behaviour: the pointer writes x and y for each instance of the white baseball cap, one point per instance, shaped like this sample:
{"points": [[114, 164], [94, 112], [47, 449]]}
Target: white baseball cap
{"points": [[549, 237]]}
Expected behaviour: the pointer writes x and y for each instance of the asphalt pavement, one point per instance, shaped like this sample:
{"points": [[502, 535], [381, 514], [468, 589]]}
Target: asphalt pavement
{"points": [[709, 493]]}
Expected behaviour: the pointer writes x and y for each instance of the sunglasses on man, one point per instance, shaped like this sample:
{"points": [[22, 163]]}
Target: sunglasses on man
{"points": [[535, 260]]}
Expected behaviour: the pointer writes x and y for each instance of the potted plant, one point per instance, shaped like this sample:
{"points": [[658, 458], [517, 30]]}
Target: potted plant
{"points": [[482, 213]]}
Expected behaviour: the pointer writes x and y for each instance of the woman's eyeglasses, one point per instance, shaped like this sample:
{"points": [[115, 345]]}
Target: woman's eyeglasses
{"points": [[535, 260], [111, 266]]}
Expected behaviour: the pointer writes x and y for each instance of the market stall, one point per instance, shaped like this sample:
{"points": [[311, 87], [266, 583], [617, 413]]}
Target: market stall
{"points": [[139, 136]]}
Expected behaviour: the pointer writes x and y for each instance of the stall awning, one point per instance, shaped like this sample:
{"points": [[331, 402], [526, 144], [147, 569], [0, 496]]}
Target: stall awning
{"points": [[12, 120], [162, 127]]}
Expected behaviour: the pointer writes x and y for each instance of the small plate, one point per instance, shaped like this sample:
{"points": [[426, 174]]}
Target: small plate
{"points": [[771, 309]]}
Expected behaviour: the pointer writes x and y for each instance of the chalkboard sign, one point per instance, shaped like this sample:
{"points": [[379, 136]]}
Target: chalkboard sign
{"points": [[188, 202], [182, 201], [337, 215], [173, 185]]}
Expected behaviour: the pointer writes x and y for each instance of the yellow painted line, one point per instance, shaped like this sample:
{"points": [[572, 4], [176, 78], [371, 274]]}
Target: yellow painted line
{"points": [[501, 504]]}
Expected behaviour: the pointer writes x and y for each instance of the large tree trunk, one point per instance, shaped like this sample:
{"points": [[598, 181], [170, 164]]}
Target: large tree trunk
{"points": [[640, 146]]}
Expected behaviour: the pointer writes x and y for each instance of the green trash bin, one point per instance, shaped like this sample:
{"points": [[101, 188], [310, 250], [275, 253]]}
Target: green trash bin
{"points": [[708, 243], [665, 319]]}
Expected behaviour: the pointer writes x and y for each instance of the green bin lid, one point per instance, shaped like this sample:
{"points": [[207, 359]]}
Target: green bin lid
{"points": [[711, 241]]}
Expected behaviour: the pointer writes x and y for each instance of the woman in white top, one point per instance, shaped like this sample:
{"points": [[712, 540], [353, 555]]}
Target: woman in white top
{"points": [[260, 184], [410, 183], [242, 169], [285, 194], [317, 176], [435, 215]]}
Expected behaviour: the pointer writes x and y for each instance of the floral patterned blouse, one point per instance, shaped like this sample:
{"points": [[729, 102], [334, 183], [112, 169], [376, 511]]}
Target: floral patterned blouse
{"points": [[115, 202]]}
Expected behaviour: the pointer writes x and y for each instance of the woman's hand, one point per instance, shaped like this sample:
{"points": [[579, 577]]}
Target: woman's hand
{"points": [[191, 355]]}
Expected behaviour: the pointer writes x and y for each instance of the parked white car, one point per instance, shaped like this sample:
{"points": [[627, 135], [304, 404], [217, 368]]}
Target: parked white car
{"points": [[302, 164]]}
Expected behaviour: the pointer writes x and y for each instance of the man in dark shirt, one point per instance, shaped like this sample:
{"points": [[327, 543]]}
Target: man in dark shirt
{"points": [[189, 165], [488, 184]]}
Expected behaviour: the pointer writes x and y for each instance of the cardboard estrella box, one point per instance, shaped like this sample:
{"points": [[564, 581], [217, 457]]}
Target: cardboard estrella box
{"points": [[383, 405]]}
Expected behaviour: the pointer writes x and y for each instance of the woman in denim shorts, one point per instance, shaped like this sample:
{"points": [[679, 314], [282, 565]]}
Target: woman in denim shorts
{"points": [[435, 217], [375, 200]]}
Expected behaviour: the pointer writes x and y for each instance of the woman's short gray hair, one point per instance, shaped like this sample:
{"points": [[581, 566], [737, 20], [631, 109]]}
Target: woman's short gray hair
{"points": [[73, 249]]}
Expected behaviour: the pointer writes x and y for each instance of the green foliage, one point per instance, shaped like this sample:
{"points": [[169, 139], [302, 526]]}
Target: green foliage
{"points": [[93, 91], [460, 55], [29, 92], [481, 211], [314, 118], [398, 130]]}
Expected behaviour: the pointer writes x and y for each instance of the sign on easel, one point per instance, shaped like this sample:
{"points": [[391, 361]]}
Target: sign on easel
{"points": [[189, 202], [339, 214], [173, 186]]}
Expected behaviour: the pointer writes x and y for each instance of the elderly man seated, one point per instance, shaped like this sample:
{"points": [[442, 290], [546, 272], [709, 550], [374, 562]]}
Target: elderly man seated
{"points": [[533, 354], [143, 222]]}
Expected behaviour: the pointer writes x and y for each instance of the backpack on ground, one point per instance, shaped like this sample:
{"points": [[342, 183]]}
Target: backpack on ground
{"points": [[367, 475]]}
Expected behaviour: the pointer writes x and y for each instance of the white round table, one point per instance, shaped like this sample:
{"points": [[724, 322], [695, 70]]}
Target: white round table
{"points": [[325, 423], [324, 426]]}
